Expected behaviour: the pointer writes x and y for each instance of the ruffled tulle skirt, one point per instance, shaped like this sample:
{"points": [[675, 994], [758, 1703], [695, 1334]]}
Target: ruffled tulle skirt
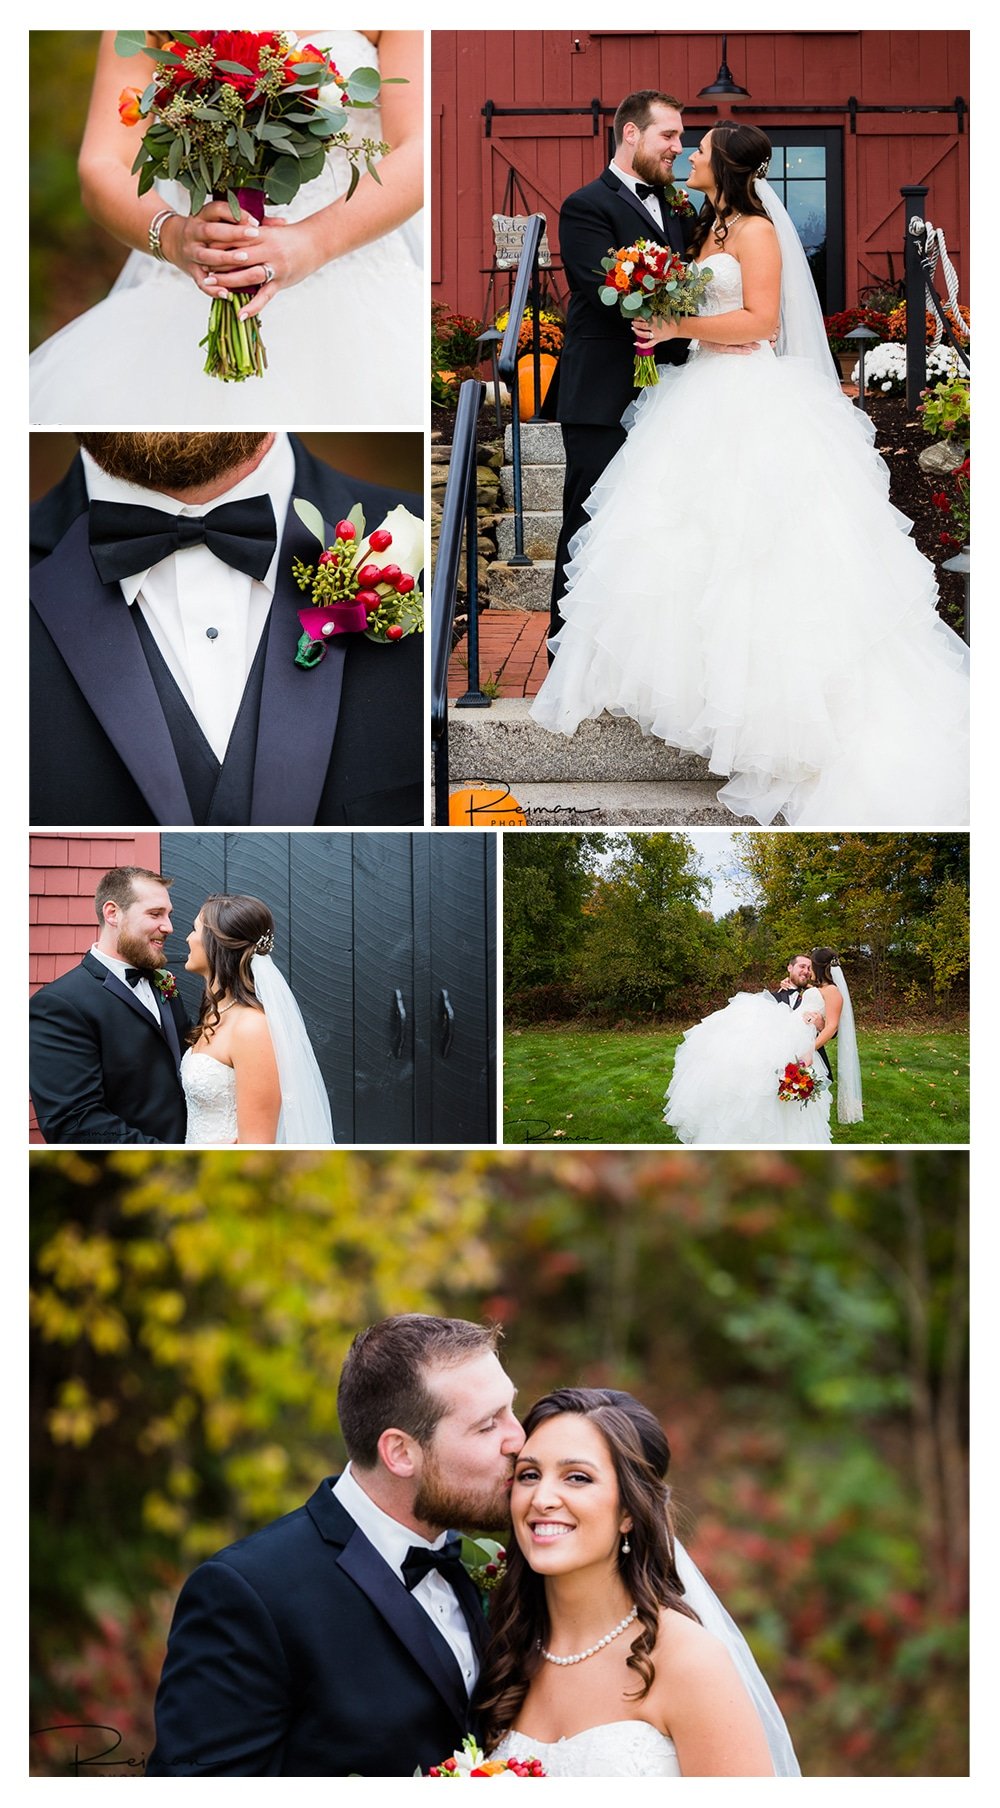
{"points": [[344, 348], [746, 591], [724, 1087]]}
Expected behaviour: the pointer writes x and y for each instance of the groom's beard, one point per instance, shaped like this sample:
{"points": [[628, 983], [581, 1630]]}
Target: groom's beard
{"points": [[170, 461], [441, 1502], [136, 951]]}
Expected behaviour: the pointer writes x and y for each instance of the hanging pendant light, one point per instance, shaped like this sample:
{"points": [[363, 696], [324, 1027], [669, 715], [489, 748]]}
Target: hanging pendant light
{"points": [[723, 83]]}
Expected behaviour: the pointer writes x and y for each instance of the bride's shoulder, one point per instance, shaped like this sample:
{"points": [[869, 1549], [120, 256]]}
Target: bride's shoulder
{"points": [[690, 1662], [249, 1030]]}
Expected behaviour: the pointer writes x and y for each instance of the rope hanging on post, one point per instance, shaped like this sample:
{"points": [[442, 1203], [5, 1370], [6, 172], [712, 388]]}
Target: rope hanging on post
{"points": [[933, 249]]}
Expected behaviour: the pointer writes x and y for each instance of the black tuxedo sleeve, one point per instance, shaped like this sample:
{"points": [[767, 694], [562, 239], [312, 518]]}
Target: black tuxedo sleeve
{"points": [[65, 1077], [224, 1701], [585, 236]]}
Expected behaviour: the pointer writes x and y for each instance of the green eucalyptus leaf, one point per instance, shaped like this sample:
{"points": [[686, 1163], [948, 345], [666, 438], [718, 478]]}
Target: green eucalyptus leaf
{"points": [[353, 183], [174, 159], [363, 85], [234, 205], [130, 43], [311, 518], [608, 296], [371, 167], [235, 68]]}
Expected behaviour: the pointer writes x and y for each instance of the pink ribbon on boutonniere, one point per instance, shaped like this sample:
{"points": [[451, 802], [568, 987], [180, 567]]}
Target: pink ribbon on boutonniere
{"points": [[336, 618]]}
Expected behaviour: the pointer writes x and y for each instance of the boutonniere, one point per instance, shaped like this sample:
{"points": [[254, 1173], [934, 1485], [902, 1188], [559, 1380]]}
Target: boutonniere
{"points": [[485, 1563], [165, 982], [352, 591], [678, 202]]}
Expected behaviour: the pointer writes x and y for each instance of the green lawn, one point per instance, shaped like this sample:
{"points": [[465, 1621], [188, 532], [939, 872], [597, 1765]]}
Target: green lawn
{"points": [[607, 1086]]}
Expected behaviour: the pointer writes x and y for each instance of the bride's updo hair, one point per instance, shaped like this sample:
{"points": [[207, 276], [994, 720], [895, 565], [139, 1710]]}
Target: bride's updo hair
{"points": [[739, 154], [233, 929], [519, 1622], [823, 959]]}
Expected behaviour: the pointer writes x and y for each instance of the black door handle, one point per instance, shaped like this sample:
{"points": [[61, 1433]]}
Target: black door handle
{"points": [[400, 1036], [448, 1023]]}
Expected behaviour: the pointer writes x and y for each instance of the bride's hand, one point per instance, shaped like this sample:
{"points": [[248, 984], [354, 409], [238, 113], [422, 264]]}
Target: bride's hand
{"points": [[284, 254], [210, 243], [651, 333]]}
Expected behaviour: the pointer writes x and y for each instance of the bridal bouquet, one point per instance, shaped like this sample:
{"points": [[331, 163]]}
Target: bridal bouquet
{"points": [[797, 1084], [244, 117], [471, 1762], [650, 282], [351, 592]]}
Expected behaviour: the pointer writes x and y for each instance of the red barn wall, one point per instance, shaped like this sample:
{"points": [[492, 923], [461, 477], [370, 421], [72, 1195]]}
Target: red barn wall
{"points": [[64, 874], [780, 68]]}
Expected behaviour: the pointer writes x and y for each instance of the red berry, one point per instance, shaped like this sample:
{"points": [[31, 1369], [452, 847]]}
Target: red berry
{"points": [[491, 1569], [501, 1553], [329, 557], [369, 600], [367, 576], [379, 540], [346, 530], [405, 584], [390, 574], [394, 633]]}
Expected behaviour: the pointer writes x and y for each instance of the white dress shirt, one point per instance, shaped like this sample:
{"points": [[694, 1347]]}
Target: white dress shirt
{"points": [[650, 202], [192, 591], [392, 1541], [143, 988]]}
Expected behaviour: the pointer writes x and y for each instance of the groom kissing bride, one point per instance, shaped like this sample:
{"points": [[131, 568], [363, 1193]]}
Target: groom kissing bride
{"points": [[348, 1638]]}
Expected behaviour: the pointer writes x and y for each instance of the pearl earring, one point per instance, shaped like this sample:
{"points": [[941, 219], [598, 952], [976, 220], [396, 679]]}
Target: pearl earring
{"points": [[626, 1547]]}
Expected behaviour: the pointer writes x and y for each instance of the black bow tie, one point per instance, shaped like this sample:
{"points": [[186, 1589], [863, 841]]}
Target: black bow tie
{"points": [[128, 537], [645, 189], [134, 974], [419, 1561]]}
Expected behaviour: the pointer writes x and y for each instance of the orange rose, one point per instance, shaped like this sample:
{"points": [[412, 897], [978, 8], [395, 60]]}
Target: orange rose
{"points": [[128, 106]]}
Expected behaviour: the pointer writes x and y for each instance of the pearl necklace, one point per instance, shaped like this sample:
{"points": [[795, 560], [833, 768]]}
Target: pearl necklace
{"points": [[578, 1656]]}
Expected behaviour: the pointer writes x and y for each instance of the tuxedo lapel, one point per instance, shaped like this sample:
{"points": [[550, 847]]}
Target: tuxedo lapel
{"points": [[298, 709], [169, 1026], [404, 1616], [118, 988], [361, 1561], [92, 627], [470, 1601], [625, 195]]}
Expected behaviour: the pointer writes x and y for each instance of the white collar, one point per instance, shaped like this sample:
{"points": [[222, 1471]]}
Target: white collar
{"points": [[391, 1539], [626, 176], [275, 475]]}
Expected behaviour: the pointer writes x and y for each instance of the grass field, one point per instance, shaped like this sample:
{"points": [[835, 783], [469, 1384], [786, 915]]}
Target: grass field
{"points": [[606, 1086]]}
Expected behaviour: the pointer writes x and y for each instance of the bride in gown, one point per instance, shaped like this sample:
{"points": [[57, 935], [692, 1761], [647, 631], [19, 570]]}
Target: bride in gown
{"points": [[745, 521], [343, 313], [724, 1087], [250, 1075], [609, 1655]]}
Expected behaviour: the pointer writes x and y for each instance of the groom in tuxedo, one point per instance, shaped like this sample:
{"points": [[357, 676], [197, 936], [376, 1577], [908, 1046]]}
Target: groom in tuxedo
{"points": [[164, 628], [631, 199], [345, 1639], [106, 1038], [799, 976]]}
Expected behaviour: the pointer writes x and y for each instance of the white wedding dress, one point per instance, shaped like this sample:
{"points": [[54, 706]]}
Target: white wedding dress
{"points": [[746, 591], [724, 1087], [625, 1748], [344, 346], [210, 1096]]}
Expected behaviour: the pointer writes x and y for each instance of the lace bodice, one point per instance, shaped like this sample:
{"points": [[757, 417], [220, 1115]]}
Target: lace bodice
{"points": [[725, 291], [625, 1748], [350, 50], [210, 1095]]}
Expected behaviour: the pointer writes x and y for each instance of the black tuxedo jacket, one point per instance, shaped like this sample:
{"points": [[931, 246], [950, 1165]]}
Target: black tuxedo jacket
{"points": [[298, 1652], [339, 744], [101, 1069], [595, 369]]}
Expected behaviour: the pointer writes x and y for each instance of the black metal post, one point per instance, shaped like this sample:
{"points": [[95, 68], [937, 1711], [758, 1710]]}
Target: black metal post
{"points": [[914, 196], [473, 698], [536, 340]]}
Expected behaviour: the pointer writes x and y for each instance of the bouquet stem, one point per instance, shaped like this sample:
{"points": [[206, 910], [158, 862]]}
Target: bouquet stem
{"points": [[644, 371], [235, 347]]}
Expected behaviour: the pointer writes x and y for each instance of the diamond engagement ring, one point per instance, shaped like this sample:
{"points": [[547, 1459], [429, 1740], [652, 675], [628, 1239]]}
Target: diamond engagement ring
{"points": [[268, 270]]}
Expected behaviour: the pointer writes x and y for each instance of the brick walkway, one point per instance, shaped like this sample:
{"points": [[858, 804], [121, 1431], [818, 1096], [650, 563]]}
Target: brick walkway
{"points": [[511, 651]]}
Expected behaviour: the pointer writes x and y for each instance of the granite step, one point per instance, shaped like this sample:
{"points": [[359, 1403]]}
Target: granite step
{"points": [[513, 588], [541, 533], [541, 443], [541, 486]]}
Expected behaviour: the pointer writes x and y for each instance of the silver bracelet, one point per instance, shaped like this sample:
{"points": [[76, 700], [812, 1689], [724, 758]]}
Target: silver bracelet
{"points": [[156, 226]]}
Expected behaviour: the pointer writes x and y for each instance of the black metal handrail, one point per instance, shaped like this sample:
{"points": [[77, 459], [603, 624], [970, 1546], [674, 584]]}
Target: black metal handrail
{"points": [[527, 291], [458, 522]]}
